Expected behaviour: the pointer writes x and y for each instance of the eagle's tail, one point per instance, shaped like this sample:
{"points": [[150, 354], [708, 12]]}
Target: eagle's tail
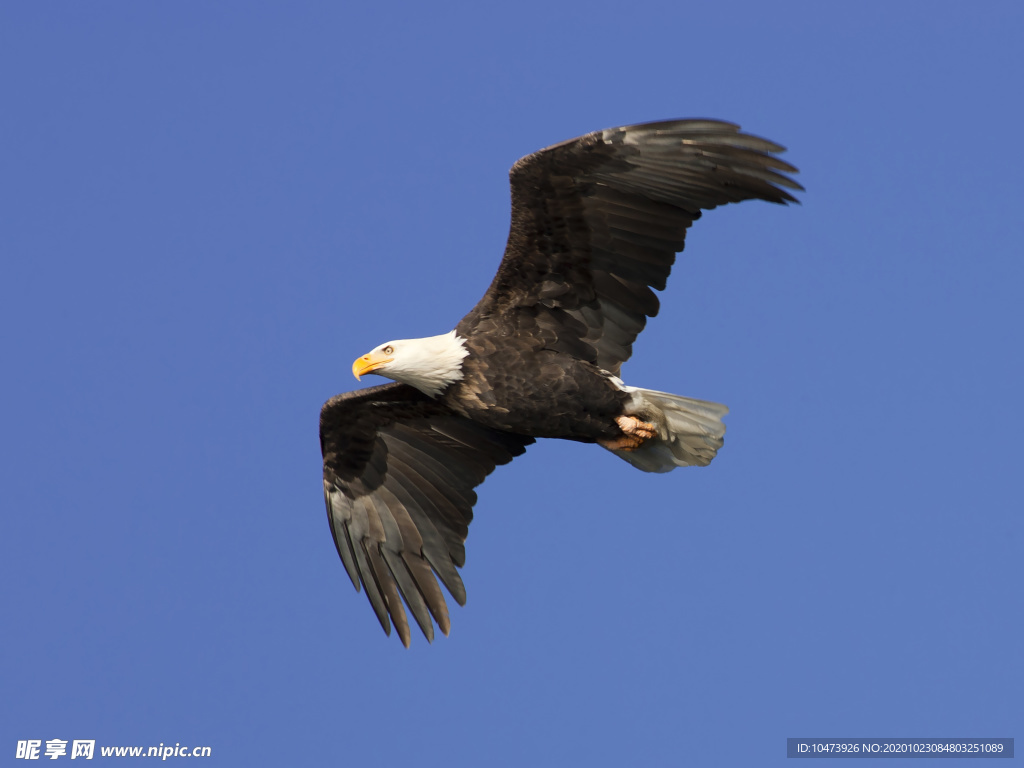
{"points": [[690, 431]]}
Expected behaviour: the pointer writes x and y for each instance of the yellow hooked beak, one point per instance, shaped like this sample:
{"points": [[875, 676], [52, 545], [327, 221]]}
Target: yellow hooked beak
{"points": [[369, 363]]}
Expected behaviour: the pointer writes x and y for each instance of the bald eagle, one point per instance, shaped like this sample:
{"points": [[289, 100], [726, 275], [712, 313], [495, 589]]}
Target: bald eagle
{"points": [[596, 224]]}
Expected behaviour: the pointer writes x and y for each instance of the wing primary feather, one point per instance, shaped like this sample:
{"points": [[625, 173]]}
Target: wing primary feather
{"points": [[410, 593], [419, 569], [391, 550], [435, 544], [339, 530], [391, 603], [392, 535], [423, 574], [373, 592]]}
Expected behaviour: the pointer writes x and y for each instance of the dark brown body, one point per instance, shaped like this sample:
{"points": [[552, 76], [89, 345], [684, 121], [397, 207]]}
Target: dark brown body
{"points": [[521, 387]]}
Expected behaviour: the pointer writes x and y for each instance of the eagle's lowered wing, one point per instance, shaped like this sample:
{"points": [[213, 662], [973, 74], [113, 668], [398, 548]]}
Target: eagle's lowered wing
{"points": [[399, 474]]}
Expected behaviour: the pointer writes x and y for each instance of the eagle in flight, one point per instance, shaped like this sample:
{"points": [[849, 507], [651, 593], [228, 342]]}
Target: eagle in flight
{"points": [[596, 224]]}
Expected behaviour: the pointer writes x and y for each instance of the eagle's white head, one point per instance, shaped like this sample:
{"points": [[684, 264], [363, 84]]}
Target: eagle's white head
{"points": [[429, 364]]}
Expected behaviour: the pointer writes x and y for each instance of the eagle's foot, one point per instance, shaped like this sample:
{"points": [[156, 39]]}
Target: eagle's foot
{"points": [[635, 433]]}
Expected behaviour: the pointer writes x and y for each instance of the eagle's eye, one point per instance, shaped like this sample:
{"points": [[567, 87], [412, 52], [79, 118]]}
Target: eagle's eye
{"points": [[388, 350]]}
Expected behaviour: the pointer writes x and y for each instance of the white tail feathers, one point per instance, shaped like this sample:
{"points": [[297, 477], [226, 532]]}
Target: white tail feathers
{"points": [[690, 431]]}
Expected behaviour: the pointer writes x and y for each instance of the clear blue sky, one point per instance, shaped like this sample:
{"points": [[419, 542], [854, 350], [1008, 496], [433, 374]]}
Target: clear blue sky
{"points": [[208, 210]]}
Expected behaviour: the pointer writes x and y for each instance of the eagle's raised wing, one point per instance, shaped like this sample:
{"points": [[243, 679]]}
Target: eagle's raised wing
{"points": [[399, 474], [597, 221]]}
